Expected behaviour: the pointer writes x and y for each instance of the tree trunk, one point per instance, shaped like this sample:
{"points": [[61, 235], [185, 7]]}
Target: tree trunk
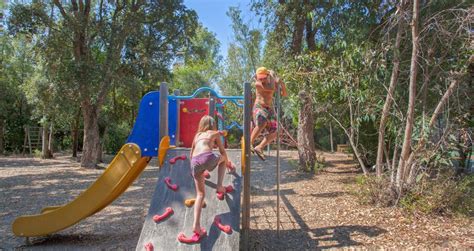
{"points": [[330, 138], [2, 134], [306, 151], [298, 31], [91, 149], [391, 91], [45, 154], [426, 80], [434, 116], [51, 141], [353, 145], [75, 134], [406, 147], [357, 154], [394, 160]]}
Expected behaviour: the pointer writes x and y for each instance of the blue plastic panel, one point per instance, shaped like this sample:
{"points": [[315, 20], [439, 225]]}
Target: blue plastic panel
{"points": [[172, 119], [147, 125]]}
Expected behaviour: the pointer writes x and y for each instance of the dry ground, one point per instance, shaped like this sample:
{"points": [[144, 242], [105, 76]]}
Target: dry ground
{"points": [[316, 211]]}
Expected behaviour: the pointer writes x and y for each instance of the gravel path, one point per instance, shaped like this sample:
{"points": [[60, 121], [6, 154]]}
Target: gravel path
{"points": [[319, 212], [316, 211], [27, 185]]}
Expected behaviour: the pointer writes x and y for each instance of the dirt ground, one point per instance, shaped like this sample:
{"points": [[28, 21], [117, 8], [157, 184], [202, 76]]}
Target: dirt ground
{"points": [[316, 211]]}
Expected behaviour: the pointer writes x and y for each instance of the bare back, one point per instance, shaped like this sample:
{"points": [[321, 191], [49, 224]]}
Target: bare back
{"points": [[205, 142]]}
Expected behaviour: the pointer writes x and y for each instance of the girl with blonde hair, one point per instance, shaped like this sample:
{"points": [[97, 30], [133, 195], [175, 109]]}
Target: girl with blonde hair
{"points": [[202, 158]]}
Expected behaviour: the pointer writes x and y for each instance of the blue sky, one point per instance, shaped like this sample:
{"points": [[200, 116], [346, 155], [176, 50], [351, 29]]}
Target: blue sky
{"points": [[212, 14]]}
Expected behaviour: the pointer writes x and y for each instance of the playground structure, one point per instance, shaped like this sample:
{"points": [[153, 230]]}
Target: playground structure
{"points": [[159, 120], [33, 138]]}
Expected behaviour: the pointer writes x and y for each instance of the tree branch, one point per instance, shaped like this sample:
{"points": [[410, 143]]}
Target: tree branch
{"points": [[434, 116], [356, 152], [61, 9]]}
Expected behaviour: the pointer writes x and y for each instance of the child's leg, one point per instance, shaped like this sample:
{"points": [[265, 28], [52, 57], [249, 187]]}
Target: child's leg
{"points": [[266, 140], [220, 175], [200, 193], [257, 130]]}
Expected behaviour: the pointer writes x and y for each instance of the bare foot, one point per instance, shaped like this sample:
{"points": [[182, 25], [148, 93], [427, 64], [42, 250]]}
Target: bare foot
{"points": [[259, 153]]}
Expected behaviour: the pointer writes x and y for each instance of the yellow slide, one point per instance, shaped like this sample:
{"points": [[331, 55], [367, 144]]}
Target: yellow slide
{"points": [[122, 171]]}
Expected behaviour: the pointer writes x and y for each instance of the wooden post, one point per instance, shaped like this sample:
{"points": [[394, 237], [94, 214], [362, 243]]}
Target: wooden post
{"points": [[178, 109], [50, 142], [212, 105], [29, 138], [163, 111], [246, 197]]}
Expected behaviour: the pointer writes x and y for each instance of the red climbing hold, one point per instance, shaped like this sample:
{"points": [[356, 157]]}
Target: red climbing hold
{"points": [[206, 174], [149, 246], [224, 228], [228, 189], [181, 157], [173, 187], [168, 211], [196, 238]]}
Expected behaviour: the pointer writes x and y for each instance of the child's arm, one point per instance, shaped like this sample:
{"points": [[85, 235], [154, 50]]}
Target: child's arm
{"points": [[221, 147]]}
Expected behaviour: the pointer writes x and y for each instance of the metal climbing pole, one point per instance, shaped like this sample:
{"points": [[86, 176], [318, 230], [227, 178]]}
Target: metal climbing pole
{"points": [[278, 106]]}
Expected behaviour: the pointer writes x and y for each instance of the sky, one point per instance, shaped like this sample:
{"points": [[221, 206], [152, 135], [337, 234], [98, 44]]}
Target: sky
{"points": [[212, 14]]}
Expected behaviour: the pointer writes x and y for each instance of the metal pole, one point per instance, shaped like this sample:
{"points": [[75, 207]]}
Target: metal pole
{"points": [[163, 110], [278, 106], [212, 105], [246, 199]]}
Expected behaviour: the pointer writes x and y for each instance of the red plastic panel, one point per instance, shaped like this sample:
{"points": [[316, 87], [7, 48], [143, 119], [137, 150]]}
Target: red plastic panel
{"points": [[190, 113]]}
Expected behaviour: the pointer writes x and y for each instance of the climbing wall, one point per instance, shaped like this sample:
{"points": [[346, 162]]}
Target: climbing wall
{"points": [[163, 235]]}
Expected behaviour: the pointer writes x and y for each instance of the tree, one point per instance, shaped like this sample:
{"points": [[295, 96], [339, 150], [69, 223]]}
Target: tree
{"points": [[105, 39], [15, 55], [200, 63], [393, 83], [243, 55], [301, 29]]}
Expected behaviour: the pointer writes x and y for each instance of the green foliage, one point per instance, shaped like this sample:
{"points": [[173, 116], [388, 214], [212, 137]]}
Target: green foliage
{"points": [[14, 71], [201, 63], [318, 166], [37, 153], [115, 137], [107, 56], [243, 55]]}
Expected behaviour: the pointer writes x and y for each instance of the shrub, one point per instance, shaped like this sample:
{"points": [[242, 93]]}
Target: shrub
{"points": [[445, 194], [115, 137], [374, 191]]}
